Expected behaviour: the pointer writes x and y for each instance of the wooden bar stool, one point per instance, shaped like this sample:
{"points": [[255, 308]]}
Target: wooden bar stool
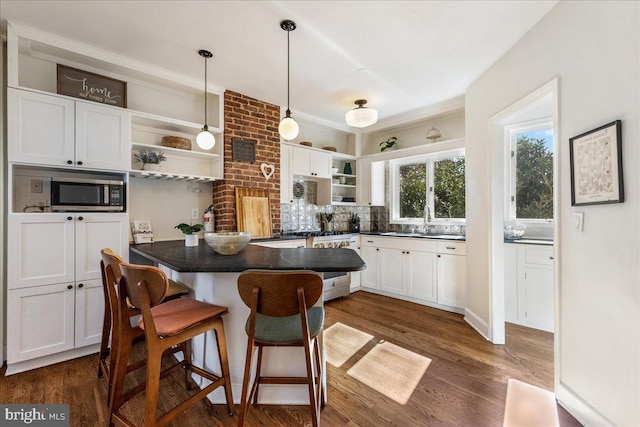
{"points": [[280, 316], [110, 270], [165, 325]]}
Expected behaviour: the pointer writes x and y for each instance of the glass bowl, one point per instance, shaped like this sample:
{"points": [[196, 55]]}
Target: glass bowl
{"points": [[228, 243], [514, 231]]}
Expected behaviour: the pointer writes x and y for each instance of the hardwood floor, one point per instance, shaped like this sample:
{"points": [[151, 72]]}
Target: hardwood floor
{"points": [[464, 385]]}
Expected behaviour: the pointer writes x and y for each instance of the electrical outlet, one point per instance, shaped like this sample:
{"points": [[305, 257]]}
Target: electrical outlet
{"points": [[36, 186], [195, 213]]}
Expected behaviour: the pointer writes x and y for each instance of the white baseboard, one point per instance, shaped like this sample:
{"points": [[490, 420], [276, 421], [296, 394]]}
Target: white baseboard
{"points": [[27, 365], [581, 410], [477, 323]]}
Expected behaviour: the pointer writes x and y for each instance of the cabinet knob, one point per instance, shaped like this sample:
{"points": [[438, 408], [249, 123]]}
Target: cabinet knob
{"points": [[407, 252], [377, 249], [69, 287], [80, 218], [80, 162], [69, 218], [291, 201], [438, 255], [550, 257], [80, 285], [69, 162], [369, 202]]}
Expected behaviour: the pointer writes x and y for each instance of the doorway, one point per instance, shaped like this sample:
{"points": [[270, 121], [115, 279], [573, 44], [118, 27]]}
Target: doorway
{"points": [[536, 110]]}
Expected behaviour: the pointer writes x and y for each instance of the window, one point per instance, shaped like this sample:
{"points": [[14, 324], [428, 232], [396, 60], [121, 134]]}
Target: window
{"points": [[531, 172], [436, 181]]}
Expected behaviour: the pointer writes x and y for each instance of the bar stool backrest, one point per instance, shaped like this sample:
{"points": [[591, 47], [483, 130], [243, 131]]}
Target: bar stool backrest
{"points": [[156, 282], [278, 290]]}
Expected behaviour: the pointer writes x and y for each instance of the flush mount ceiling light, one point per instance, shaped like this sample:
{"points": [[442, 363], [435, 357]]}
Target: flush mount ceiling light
{"points": [[205, 139], [288, 127], [362, 116]]}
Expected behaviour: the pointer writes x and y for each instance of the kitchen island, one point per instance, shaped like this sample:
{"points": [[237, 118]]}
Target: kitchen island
{"points": [[213, 279]]}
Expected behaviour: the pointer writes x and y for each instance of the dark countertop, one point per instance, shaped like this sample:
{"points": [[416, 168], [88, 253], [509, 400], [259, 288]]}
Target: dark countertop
{"points": [[525, 241], [414, 235], [202, 259]]}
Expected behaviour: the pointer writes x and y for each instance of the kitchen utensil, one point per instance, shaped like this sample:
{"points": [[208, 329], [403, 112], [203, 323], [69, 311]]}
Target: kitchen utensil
{"points": [[253, 213], [327, 221]]}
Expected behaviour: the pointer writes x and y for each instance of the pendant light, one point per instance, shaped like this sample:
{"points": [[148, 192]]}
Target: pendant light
{"points": [[205, 139], [288, 127], [361, 117]]}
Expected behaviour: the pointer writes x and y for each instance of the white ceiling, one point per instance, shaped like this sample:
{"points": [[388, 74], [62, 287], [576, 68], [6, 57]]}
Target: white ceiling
{"points": [[401, 56]]}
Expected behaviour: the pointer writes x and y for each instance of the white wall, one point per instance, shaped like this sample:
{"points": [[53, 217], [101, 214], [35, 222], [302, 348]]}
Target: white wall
{"points": [[450, 125], [166, 204], [3, 201], [593, 48]]}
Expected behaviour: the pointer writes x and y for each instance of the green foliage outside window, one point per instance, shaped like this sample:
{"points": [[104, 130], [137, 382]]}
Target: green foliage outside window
{"points": [[448, 188], [413, 190], [534, 179]]}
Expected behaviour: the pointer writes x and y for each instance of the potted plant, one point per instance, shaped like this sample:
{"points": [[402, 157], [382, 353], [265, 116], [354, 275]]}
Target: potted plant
{"points": [[389, 144], [150, 159], [190, 239]]}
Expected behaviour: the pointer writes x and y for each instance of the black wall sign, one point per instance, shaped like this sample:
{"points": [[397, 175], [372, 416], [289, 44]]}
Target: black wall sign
{"points": [[244, 150]]}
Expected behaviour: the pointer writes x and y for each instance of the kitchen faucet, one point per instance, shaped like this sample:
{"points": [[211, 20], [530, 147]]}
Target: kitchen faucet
{"points": [[427, 217]]}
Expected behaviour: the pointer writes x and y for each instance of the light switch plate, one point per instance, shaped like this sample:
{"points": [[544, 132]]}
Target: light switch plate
{"points": [[195, 214], [578, 221]]}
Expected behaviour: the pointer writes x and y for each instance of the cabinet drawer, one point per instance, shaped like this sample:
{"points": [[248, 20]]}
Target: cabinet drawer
{"points": [[539, 256], [454, 248], [409, 243]]}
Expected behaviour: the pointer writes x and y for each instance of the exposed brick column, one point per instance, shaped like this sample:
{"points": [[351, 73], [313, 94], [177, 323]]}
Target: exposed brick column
{"points": [[248, 118]]}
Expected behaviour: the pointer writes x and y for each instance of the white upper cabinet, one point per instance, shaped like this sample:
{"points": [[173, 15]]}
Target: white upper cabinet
{"points": [[51, 130], [370, 191], [308, 162], [286, 177], [103, 137], [41, 128]]}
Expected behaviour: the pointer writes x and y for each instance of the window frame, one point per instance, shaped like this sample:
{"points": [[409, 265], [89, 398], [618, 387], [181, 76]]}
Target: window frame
{"points": [[510, 170], [394, 187]]}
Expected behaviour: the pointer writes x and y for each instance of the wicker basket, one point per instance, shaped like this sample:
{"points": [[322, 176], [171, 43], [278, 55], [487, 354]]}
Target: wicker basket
{"points": [[176, 142], [329, 148], [306, 144]]}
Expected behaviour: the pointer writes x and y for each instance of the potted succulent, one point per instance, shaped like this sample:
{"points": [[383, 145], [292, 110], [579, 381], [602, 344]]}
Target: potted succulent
{"points": [[150, 159], [389, 144], [190, 238]]}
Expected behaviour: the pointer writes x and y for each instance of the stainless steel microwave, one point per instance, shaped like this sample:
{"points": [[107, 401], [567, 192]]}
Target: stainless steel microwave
{"points": [[79, 194]]}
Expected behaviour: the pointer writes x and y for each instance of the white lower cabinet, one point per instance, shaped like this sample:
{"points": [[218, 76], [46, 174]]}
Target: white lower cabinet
{"points": [[40, 321], [416, 269], [55, 299], [392, 270], [452, 280], [529, 286], [369, 254]]}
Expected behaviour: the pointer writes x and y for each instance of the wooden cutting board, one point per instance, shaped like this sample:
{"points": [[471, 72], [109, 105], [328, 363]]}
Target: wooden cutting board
{"points": [[253, 213]]}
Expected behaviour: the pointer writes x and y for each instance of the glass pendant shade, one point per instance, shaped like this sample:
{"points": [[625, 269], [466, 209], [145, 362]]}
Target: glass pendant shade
{"points": [[362, 116], [205, 139], [288, 128]]}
